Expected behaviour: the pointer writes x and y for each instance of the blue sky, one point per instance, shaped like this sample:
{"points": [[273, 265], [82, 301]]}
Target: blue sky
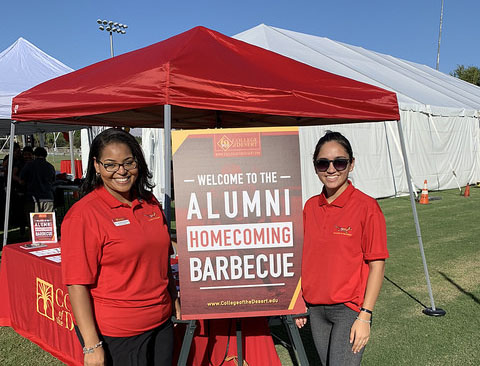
{"points": [[408, 29]]}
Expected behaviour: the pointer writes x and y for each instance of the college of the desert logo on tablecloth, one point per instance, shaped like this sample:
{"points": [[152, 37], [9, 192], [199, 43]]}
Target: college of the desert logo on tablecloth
{"points": [[45, 298], [53, 303]]}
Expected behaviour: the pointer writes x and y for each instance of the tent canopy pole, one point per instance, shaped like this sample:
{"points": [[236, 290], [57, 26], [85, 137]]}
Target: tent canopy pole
{"points": [[9, 183], [433, 310], [167, 136], [72, 156]]}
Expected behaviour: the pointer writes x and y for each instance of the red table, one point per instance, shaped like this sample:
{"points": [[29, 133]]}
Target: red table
{"points": [[66, 167], [35, 303]]}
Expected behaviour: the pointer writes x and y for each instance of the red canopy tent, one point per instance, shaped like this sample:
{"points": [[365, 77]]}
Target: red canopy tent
{"points": [[199, 73]]}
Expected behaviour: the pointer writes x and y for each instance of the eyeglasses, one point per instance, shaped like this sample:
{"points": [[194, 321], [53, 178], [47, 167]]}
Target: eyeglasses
{"points": [[339, 164], [113, 167]]}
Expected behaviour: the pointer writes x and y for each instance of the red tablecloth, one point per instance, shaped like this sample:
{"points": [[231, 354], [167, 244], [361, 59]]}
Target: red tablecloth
{"points": [[66, 167], [35, 303]]}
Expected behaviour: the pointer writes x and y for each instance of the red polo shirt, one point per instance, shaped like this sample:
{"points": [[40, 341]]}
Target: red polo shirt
{"points": [[339, 240], [122, 252]]}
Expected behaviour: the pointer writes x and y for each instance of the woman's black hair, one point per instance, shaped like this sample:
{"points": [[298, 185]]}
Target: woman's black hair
{"points": [[142, 187], [337, 137]]}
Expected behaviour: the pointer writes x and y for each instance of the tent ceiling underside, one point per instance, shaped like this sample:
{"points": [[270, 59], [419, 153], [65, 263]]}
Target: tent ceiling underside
{"points": [[183, 118]]}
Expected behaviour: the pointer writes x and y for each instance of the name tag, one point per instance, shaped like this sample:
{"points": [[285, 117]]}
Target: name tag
{"points": [[121, 222]]}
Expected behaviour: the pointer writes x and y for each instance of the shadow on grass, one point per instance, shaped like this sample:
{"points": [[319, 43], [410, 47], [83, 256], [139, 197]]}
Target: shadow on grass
{"points": [[405, 292], [459, 288]]}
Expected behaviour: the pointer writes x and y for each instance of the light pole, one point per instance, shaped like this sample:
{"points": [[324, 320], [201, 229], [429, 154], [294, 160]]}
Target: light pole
{"points": [[439, 37], [111, 26]]}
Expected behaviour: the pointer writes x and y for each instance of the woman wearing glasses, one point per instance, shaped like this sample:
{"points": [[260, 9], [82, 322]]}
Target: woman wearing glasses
{"points": [[115, 259], [344, 251]]}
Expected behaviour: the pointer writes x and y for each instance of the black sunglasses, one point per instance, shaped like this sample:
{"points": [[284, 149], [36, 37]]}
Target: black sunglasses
{"points": [[339, 164]]}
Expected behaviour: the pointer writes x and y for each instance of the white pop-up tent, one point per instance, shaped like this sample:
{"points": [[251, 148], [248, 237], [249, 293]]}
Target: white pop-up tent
{"points": [[22, 66], [439, 114]]}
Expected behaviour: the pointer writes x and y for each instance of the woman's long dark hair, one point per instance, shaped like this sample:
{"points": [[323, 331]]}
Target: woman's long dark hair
{"points": [[337, 137], [142, 187]]}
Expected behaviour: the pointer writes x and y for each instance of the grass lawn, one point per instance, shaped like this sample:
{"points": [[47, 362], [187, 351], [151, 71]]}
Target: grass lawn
{"points": [[401, 333]]}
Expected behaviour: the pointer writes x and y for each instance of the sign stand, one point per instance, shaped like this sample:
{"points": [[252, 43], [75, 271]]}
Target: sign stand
{"points": [[239, 343], [295, 340], [287, 320], [187, 341]]}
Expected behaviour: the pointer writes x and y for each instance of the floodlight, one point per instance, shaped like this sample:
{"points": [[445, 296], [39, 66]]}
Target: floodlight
{"points": [[111, 27]]}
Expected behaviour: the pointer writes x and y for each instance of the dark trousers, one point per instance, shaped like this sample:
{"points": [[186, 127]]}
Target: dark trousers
{"points": [[153, 347], [331, 325]]}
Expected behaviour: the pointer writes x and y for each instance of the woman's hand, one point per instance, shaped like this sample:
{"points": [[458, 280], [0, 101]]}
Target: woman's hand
{"points": [[97, 358], [359, 334], [301, 321]]}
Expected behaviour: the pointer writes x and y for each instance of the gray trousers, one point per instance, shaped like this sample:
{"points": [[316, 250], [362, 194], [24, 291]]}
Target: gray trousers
{"points": [[331, 325]]}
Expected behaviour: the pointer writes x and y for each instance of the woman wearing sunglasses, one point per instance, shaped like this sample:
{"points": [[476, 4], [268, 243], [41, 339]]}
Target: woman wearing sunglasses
{"points": [[115, 259], [344, 252]]}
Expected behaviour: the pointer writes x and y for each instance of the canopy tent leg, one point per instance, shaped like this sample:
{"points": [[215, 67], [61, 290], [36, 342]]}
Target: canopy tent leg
{"points": [[90, 135], [9, 184], [41, 138], [55, 138], [167, 136], [72, 156], [433, 311]]}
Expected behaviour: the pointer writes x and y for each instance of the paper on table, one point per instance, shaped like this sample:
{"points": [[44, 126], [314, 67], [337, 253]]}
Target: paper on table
{"points": [[55, 258], [45, 252]]}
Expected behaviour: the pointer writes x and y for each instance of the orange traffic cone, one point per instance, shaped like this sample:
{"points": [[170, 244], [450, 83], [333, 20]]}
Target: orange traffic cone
{"points": [[424, 196], [467, 191]]}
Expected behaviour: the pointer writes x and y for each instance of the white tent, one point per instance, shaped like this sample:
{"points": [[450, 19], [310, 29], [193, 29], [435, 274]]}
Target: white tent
{"points": [[439, 114], [22, 66]]}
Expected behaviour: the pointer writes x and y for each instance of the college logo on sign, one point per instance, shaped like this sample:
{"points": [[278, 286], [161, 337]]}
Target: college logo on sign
{"points": [[237, 144], [45, 299], [224, 143]]}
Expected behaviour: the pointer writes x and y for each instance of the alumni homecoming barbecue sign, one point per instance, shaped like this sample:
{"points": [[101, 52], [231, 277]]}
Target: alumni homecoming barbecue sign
{"points": [[238, 208]]}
